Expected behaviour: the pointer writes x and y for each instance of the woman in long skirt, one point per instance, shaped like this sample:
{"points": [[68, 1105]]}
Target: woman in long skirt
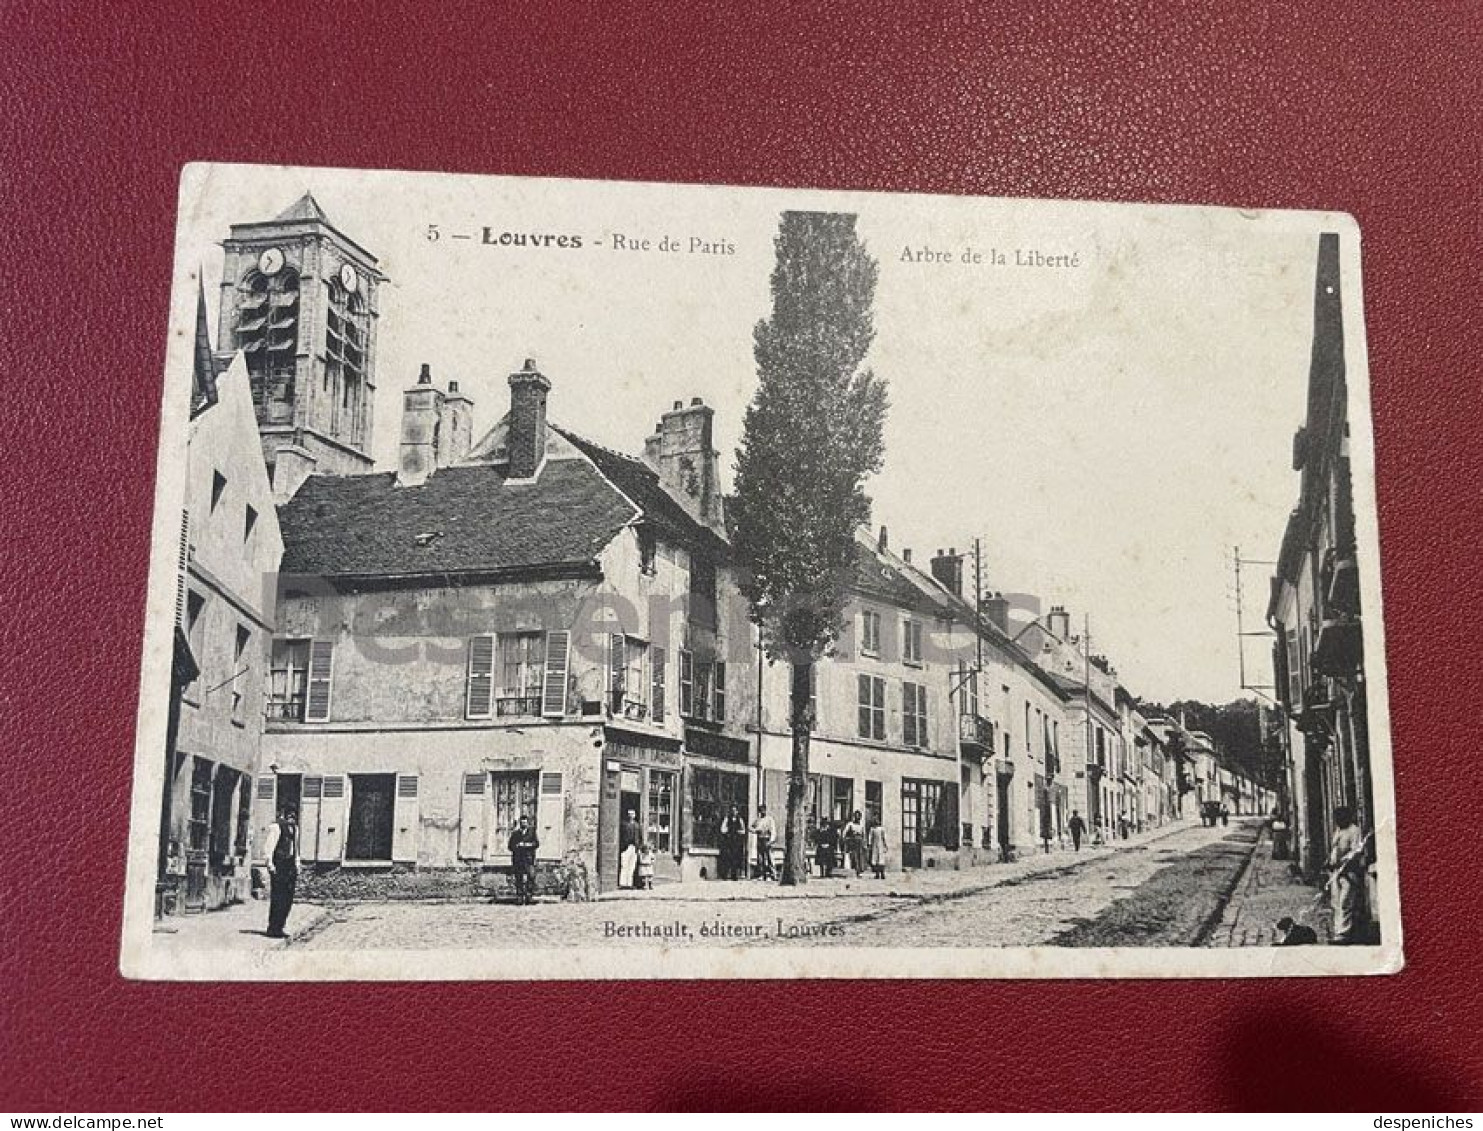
{"points": [[875, 841]]}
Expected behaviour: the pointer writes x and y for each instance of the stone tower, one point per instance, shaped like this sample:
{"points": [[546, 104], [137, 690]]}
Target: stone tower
{"points": [[299, 299]]}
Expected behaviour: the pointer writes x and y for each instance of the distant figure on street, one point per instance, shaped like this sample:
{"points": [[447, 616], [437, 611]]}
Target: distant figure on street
{"points": [[282, 852], [1225, 817], [1294, 934], [1122, 826], [1078, 827], [629, 836], [854, 843], [876, 844], [733, 857], [1346, 864], [826, 841], [765, 829], [523, 845]]}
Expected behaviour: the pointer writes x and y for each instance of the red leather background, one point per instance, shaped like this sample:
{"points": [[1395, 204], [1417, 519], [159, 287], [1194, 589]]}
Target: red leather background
{"points": [[1365, 108]]}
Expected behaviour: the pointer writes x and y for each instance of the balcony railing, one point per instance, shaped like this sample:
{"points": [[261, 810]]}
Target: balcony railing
{"points": [[286, 710], [506, 706], [975, 731]]}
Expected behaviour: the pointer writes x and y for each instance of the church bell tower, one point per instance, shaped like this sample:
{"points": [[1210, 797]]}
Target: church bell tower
{"points": [[299, 299]]}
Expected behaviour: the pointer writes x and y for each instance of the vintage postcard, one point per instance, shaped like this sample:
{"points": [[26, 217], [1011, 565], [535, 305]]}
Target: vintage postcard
{"points": [[561, 579]]}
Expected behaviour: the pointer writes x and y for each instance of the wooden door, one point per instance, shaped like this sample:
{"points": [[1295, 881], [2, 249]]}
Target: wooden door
{"points": [[372, 817]]}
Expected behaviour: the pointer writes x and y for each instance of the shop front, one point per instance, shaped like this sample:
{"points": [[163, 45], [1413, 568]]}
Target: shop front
{"points": [[641, 778], [718, 774]]}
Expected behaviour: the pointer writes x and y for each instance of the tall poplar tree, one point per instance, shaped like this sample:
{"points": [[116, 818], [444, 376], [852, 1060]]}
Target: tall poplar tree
{"points": [[812, 435]]}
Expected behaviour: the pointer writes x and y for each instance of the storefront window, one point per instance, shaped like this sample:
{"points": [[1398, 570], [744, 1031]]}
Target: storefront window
{"points": [[661, 811], [714, 793]]}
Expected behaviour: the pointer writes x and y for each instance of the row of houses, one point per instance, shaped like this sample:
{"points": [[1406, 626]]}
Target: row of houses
{"points": [[530, 623]]}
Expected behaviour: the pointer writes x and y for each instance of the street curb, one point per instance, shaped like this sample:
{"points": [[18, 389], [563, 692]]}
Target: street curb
{"points": [[1213, 920]]}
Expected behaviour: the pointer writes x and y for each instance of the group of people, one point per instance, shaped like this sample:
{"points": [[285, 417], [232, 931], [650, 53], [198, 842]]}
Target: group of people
{"points": [[852, 844]]}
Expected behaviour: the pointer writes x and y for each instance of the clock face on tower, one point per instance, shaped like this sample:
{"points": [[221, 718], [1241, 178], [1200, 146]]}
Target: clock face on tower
{"points": [[348, 278], [270, 262]]}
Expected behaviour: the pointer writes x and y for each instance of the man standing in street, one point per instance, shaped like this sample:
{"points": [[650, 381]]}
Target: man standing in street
{"points": [[764, 828], [1078, 828], [282, 852], [523, 845]]}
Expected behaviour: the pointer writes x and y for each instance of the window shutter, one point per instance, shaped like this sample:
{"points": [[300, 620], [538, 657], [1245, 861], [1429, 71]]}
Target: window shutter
{"points": [[183, 567], [309, 799], [924, 718], [550, 818], [947, 816], [718, 691], [687, 684], [553, 695], [616, 660], [332, 819], [262, 813], [471, 816], [657, 674], [405, 820], [479, 701], [321, 669]]}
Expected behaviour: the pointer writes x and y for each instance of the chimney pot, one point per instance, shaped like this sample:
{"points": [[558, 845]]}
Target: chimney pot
{"points": [[425, 377], [883, 543], [906, 555], [527, 420], [679, 405], [696, 401], [453, 386]]}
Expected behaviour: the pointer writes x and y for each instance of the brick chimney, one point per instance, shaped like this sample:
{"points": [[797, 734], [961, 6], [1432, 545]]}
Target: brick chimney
{"points": [[682, 453], [948, 570], [995, 609], [456, 431], [422, 410], [1058, 622], [527, 422]]}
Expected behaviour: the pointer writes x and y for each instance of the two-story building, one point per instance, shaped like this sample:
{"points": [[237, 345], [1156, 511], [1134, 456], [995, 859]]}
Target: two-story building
{"points": [[229, 542], [526, 624]]}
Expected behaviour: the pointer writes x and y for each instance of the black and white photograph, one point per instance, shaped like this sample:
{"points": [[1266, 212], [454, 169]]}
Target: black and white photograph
{"points": [[576, 579]]}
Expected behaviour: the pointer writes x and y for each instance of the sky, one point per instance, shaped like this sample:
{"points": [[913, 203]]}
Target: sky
{"points": [[1109, 424]]}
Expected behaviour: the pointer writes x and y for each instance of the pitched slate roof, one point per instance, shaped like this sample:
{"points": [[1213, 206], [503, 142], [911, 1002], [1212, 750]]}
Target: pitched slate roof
{"points": [[878, 577], [204, 369], [305, 208], [640, 483], [462, 520]]}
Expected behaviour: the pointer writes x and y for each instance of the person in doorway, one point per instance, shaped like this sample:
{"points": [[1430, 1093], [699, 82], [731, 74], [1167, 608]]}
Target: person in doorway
{"points": [[629, 836], [282, 852], [765, 829], [854, 843], [523, 844], [733, 845], [1225, 817], [1346, 865], [1078, 829], [826, 843], [876, 845]]}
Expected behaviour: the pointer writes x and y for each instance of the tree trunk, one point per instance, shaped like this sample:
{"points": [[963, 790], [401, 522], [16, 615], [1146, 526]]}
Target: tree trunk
{"points": [[795, 855]]}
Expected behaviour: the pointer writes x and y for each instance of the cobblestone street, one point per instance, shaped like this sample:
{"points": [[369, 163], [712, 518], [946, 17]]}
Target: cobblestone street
{"points": [[1174, 884]]}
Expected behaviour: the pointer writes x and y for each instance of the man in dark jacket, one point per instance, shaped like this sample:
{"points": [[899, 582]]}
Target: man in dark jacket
{"points": [[523, 845], [1078, 829], [282, 852]]}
